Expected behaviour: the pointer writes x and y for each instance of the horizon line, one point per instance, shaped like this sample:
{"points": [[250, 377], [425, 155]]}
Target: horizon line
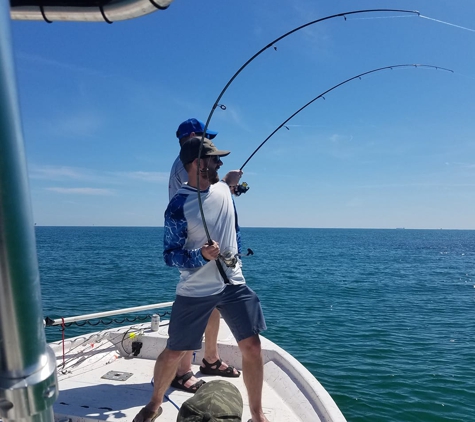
{"points": [[269, 227]]}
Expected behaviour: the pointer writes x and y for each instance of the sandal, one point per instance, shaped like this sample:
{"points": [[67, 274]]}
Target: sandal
{"points": [[213, 369], [179, 383], [147, 414]]}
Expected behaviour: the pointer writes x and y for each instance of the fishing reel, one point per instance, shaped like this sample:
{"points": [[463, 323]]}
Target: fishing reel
{"points": [[229, 258], [240, 189]]}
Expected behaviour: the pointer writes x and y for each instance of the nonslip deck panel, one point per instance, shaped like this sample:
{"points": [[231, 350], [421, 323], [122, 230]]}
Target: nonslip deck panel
{"points": [[89, 397]]}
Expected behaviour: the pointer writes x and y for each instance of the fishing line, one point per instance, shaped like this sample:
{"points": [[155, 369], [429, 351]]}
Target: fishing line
{"points": [[271, 44], [167, 396], [466, 76], [447, 23], [336, 86]]}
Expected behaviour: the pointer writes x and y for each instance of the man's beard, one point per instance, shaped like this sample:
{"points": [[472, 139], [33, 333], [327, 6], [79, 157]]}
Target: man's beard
{"points": [[212, 176]]}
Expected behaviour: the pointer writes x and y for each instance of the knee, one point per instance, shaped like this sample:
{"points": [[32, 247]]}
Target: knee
{"points": [[251, 347], [171, 356]]}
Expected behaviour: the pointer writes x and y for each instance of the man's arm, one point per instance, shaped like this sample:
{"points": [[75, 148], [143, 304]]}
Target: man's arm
{"points": [[176, 230], [178, 175]]}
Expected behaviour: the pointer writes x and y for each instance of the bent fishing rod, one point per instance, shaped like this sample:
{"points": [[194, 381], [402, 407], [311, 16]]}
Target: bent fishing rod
{"points": [[331, 89], [269, 45], [272, 44]]}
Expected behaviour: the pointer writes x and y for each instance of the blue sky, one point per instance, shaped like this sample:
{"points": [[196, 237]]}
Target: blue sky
{"points": [[100, 105]]}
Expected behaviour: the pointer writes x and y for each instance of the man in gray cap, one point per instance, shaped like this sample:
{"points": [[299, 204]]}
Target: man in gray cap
{"points": [[212, 364], [210, 275], [216, 401]]}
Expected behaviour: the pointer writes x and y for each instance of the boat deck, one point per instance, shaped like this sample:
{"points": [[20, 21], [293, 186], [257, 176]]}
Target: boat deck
{"points": [[105, 400], [102, 381]]}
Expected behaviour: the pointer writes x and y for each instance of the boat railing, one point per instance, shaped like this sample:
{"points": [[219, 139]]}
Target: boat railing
{"points": [[62, 321]]}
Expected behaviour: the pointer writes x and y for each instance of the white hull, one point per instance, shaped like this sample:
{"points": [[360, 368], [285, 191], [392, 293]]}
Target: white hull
{"points": [[291, 393]]}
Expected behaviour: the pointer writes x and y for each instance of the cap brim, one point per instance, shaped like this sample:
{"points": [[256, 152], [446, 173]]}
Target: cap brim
{"points": [[210, 134], [220, 153]]}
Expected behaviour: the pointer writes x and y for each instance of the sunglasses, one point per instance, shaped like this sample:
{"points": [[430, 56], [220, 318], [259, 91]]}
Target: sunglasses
{"points": [[215, 158]]}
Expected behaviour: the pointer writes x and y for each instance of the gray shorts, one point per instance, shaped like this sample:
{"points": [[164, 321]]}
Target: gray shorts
{"points": [[239, 306]]}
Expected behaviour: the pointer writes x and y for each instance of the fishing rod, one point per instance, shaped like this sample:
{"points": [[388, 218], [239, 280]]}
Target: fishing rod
{"points": [[243, 188], [271, 44], [331, 89]]}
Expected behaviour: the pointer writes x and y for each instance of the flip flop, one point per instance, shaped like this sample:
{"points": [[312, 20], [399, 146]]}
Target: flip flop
{"points": [[147, 414], [208, 369], [179, 383]]}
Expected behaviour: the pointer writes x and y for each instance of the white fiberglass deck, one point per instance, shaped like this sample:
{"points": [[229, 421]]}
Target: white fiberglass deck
{"points": [[290, 392]]}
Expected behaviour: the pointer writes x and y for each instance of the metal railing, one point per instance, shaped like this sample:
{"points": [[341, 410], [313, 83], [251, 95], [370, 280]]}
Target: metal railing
{"points": [[61, 321]]}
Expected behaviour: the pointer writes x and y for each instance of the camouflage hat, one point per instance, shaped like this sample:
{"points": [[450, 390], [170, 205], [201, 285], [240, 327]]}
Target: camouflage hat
{"points": [[215, 401]]}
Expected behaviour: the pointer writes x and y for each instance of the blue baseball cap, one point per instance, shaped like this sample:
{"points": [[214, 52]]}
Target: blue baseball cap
{"points": [[194, 125]]}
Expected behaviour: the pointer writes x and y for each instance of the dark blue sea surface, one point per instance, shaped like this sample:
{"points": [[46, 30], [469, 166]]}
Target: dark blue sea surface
{"points": [[385, 319]]}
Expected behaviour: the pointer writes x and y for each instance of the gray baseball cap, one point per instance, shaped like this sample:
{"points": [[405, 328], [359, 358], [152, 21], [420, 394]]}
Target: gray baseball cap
{"points": [[190, 149]]}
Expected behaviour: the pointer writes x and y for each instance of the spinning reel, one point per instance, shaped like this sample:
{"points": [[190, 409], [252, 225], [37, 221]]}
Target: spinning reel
{"points": [[229, 258], [240, 189]]}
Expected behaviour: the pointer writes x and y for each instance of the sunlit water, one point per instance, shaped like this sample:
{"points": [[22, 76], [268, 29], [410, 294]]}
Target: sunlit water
{"points": [[384, 319]]}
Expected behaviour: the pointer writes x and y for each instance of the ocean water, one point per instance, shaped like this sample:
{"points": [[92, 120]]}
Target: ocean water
{"points": [[385, 319]]}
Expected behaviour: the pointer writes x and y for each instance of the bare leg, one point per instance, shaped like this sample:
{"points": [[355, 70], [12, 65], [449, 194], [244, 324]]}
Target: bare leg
{"points": [[163, 374], [211, 344], [253, 373], [185, 366], [211, 337], [185, 363]]}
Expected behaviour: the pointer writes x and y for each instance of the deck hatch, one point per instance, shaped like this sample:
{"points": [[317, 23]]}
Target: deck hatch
{"points": [[117, 375]]}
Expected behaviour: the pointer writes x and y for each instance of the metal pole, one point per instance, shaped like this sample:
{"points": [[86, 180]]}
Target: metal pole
{"points": [[60, 321], [28, 384]]}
